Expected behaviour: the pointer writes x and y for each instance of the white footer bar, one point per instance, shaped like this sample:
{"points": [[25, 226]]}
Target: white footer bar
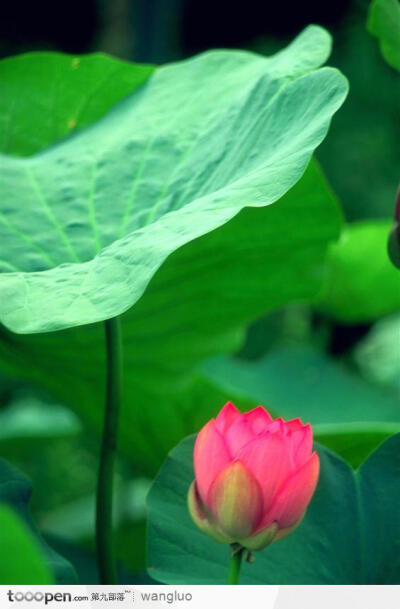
{"points": [[204, 597]]}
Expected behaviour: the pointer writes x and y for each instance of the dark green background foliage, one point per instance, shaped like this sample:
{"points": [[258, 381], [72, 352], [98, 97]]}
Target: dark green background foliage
{"points": [[35, 561], [294, 305]]}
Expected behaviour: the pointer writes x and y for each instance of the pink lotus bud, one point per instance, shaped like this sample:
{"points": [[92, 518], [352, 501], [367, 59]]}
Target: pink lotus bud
{"points": [[254, 477]]}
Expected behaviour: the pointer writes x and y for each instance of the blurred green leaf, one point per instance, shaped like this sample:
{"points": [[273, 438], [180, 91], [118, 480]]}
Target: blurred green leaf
{"points": [[350, 534], [76, 521], [361, 284], [21, 558], [384, 23], [44, 97], [348, 414], [28, 418], [86, 564], [378, 355], [15, 491]]}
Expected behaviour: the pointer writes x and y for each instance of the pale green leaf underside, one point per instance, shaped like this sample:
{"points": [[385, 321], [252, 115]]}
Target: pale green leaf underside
{"points": [[350, 534], [85, 225]]}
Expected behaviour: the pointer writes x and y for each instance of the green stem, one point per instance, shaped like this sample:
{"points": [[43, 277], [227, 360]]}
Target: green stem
{"points": [[104, 500], [234, 565]]}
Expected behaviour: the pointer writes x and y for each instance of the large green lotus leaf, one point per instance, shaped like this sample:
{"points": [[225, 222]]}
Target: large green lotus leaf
{"points": [[349, 415], [44, 97], [21, 558], [85, 225], [350, 534], [15, 492], [196, 306], [384, 23], [361, 284]]}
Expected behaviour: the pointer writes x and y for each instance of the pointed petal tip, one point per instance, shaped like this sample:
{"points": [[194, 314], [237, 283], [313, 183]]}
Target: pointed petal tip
{"points": [[296, 424], [226, 416], [258, 418], [260, 409]]}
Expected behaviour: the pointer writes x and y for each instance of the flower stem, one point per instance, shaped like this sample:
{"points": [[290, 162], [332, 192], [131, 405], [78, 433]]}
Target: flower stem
{"points": [[234, 564], [104, 500]]}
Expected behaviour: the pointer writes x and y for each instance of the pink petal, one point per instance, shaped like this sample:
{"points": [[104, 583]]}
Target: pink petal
{"points": [[295, 495], [301, 442], [228, 414], [258, 419], [294, 425], [277, 426], [268, 459], [210, 457], [238, 434]]}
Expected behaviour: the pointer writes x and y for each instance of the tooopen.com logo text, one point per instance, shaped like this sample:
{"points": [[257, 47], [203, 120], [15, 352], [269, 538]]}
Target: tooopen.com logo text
{"points": [[46, 597]]}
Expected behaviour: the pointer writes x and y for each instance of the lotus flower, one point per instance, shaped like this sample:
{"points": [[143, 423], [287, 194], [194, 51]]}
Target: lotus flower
{"points": [[254, 477]]}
